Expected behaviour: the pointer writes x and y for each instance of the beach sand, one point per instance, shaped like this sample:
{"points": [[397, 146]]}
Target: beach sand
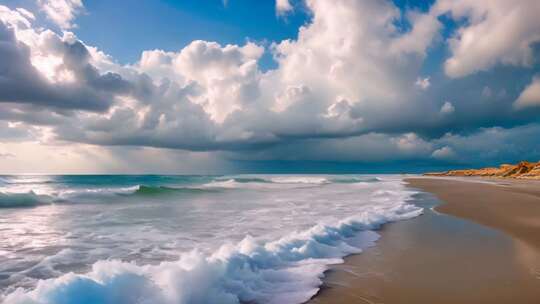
{"points": [[480, 245]]}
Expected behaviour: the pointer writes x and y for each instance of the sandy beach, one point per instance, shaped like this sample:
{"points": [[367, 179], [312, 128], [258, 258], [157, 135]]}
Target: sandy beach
{"points": [[510, 205], [477, 242]]}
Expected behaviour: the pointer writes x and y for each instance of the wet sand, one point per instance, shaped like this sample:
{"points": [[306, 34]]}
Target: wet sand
{"points": [[480, 244]]}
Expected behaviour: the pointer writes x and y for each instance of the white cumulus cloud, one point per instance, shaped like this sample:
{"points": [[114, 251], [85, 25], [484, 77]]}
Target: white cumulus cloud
{"points": [[62, 12], [496, 32]]}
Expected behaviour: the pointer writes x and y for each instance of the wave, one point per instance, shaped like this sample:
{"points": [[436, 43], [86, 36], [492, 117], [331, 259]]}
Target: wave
{"points": [[287, 270], [28, 199], [18, 198], [23, 191], [31, 198], [91, 195], [97, 194], [354, 180], [300, 180], [243, 179], [280, 182], [317, 180], [163, 190], [267, 182]]}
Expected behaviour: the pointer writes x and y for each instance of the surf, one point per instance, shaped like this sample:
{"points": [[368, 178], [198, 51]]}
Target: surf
{"points": [[188, 239], [286, 270]]}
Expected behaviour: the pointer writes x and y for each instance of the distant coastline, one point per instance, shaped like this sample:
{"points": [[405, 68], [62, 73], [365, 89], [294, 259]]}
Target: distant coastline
{"points": [[523, 170]]}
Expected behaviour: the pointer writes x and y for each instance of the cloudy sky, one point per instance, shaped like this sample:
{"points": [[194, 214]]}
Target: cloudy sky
{"points": [[267, 86]]}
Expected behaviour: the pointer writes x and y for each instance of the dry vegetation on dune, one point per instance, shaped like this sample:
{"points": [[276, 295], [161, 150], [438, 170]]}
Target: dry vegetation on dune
{"points": [[524, 170]]}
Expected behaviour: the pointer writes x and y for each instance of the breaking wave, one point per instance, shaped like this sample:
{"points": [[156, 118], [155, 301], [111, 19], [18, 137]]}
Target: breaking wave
{"points": [[286, 270], [31, 198], [28, 199], [90, 194], [300, 180], [245, 179], [285, 181], [163, 190]]}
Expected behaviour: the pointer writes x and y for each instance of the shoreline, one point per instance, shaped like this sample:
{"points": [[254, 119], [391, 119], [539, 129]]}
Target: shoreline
{"points": [[475, 243]]}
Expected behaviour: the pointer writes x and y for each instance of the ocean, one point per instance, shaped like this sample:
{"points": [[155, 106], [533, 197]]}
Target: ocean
{"points": [[115, 239]]}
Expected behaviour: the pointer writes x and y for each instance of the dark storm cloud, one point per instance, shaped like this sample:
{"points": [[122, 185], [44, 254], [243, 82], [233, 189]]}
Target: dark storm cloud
{"points": [[33, 115]]}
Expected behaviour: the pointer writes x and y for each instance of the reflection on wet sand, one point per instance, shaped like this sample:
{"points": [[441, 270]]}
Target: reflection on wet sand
{"points": [[528, 257]]}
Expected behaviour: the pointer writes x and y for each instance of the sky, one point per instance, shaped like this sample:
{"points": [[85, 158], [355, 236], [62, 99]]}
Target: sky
{"points": [[270, 86]]}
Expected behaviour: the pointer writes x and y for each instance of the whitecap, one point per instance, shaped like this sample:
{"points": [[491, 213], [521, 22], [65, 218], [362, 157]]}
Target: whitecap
{"points": [[287, 270]]}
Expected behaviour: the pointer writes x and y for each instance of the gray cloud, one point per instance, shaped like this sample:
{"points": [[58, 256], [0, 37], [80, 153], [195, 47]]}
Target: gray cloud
{"points": [[495, 145], [21, 82]]}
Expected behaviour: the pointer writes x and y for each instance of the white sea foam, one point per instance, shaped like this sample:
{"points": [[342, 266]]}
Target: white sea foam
{"points": [[92, 193], [288, 270], [269, 182], [234, 184], [300, 180]]}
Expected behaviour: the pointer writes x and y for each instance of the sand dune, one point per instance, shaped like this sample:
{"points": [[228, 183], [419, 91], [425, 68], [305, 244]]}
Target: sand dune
{"points": [[523, 170]]}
